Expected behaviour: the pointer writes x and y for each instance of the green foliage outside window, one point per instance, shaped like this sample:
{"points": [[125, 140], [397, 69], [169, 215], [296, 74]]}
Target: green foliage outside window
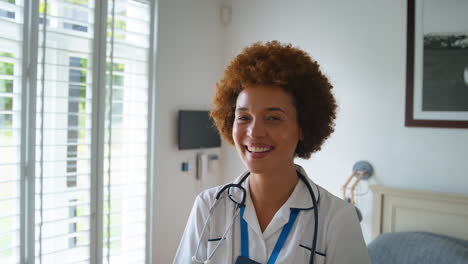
{"points": [[82, 122], [7, 68], [117, 80], [83, 76], [7, 134], [6, 86], [6, 104], [82, 107], [11, 2], [119, 67], [7, 54], [120, 24], [119, 36], [84, 63], [83, 92], [42, 8], [6, 121], [77, 2]]}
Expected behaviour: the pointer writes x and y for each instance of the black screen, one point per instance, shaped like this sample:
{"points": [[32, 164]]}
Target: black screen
{"points": [[196, 130]]}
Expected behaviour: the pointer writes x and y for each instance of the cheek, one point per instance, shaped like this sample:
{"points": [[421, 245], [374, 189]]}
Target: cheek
{"points": [[236, 136], [291, 137], [282, 134]]}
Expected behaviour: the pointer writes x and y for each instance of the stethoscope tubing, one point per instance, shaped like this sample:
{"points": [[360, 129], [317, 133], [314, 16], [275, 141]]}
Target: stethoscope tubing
{"points": [[314, 201], [242, 204], [223, 237]]}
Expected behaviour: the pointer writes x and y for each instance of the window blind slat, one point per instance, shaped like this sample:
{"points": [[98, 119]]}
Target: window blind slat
{"points": [[66, 220], [63, 250], [82, 205], [61, 192], [67, 235], [3, 250]]}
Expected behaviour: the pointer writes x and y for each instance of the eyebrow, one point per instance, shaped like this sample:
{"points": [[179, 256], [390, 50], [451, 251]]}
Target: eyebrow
{"points": [[240, 109]]}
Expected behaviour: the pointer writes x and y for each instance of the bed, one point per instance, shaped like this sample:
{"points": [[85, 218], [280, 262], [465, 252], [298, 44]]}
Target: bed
{"points": [[418, 227]]}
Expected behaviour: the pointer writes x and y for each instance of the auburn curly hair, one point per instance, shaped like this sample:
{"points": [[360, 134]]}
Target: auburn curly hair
{"points": [[289, 68]]}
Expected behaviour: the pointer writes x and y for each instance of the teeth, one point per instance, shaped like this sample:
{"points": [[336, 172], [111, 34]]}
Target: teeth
{"points": [[257, 149]]}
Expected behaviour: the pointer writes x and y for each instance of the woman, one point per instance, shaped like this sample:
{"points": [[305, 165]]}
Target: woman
{"points": [[274, 104]]}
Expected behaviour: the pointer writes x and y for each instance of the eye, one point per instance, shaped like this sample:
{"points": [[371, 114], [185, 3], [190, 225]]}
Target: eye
{"points": [[242, 118], [273, 118]]}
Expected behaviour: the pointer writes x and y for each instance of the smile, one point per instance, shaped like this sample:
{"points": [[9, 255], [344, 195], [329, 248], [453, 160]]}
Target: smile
{"points": [[254, 149]]}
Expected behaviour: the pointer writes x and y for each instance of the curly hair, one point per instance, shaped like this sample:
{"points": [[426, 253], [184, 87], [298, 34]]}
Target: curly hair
{"points": [[289, 68]]}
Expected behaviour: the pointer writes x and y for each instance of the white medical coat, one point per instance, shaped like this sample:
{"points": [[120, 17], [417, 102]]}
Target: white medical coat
{"points": [[339, 239]]}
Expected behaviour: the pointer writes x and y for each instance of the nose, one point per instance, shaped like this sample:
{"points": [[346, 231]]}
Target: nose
{"points": [[256, 129]]}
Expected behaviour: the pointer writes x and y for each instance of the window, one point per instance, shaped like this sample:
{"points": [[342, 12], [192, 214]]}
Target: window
{"points": [[10, 129], [75, 131], [126, 142]]}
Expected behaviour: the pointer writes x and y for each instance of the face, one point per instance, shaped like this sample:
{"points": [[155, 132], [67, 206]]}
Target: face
{"points": [[265, 129]]}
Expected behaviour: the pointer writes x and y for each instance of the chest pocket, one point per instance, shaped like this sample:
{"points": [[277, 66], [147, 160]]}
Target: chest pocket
{"points": [[303, 255], [212, 243]]}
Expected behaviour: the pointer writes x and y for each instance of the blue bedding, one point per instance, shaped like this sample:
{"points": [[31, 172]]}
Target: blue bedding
{"points": [[417, 248]]}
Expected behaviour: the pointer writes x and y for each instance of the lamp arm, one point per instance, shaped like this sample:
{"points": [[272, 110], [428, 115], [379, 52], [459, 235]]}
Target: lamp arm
{"points": [[346, 184], [361, 174]]}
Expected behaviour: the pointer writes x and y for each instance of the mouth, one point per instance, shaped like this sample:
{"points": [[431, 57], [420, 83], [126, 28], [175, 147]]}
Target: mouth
{"points": [[258, 150]]}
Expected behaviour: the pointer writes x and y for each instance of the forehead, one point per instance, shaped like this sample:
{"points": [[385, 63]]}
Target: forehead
{"points": [[264, 96]]}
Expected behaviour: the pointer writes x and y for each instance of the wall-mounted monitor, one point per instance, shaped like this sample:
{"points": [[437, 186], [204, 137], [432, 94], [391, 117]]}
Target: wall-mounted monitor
{"points": [[196, 130]]}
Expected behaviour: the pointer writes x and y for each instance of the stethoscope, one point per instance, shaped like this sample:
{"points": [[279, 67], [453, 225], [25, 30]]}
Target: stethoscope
{"points": [[241, 204]]}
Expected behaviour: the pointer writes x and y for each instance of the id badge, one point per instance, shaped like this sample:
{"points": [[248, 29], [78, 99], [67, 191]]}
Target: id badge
{"points": [[244, 260]]}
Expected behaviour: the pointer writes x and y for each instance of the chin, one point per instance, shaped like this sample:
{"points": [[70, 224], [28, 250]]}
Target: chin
{"points": [[256, 170], [257, 167]]}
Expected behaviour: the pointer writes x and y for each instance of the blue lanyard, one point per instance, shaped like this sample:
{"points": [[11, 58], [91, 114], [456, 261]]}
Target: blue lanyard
{"points": [[279, 244]]}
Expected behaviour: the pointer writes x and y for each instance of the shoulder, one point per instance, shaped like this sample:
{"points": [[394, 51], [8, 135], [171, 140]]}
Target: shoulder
{"points": [[207, 197], [335, 209], [342, 232]]}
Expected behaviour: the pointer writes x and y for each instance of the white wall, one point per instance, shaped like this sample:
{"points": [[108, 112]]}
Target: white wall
{"points": [[189, 61], [361, 46], [447, 17]]}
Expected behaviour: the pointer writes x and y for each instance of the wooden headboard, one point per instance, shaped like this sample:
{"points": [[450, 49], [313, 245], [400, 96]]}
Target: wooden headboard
{"points": [[398, 210]]}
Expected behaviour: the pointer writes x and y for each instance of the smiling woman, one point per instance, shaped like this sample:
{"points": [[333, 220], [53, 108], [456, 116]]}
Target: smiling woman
{"points": [[290, 69], [273, 104]]}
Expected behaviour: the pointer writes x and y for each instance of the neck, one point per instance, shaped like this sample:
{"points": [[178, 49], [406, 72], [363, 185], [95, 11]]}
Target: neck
{"points": [[271, 190]]}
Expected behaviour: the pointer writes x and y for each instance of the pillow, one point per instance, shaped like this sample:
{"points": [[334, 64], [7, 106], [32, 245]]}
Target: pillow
{"points": [[417, 248]]}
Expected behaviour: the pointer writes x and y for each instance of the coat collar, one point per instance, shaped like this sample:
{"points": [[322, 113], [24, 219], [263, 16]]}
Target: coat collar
{"points": [[299, 199]]}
